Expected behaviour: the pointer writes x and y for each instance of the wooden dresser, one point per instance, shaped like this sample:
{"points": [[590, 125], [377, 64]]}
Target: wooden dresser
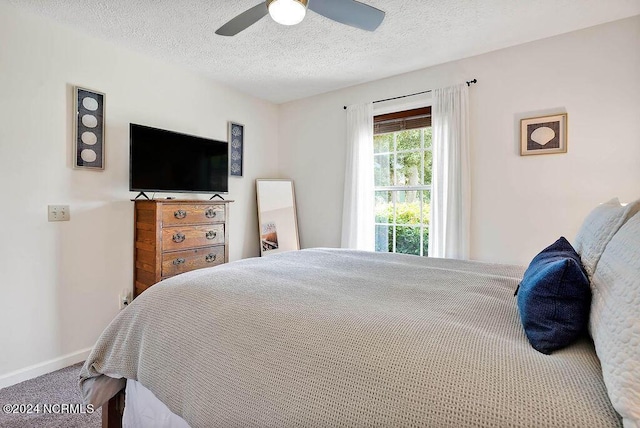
{"points": [[175, 236]]}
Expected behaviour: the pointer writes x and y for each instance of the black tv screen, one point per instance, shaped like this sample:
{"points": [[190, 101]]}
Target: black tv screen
{"points": [[165, 161]]}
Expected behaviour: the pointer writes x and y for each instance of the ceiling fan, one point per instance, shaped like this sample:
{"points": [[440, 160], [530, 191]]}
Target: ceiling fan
{"points": [[292, 12]]}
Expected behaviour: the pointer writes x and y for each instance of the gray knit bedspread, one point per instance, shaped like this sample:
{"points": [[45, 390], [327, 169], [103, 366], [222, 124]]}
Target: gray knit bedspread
{"points": [[339, 338]]}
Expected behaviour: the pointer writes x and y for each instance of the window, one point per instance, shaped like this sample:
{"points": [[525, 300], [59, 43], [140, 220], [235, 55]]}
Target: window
{"points": [[402, 169]]}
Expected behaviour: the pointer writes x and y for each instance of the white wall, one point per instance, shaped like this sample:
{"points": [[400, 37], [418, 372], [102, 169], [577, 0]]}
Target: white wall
{"points": [[59, 282], [519, 204]]}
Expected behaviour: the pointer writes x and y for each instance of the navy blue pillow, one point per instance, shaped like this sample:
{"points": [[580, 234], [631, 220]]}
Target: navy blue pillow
{"points": [[554, 298]]}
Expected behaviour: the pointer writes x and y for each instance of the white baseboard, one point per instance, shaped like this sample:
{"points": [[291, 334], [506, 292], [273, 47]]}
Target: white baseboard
{"points": [[45, 367]]}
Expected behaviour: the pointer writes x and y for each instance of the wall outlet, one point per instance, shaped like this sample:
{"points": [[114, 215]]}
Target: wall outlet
{"points": [[59, 213], [124, 299]]}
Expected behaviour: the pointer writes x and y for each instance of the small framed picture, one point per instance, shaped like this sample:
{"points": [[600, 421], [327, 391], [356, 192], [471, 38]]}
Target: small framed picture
{"points": [[236, 148], [543, 135], [88, 129]]}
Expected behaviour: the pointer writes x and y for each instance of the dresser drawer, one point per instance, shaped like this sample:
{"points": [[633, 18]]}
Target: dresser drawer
{"points": [[174, 214], [178, 238], [184, 261], [175, 236]]}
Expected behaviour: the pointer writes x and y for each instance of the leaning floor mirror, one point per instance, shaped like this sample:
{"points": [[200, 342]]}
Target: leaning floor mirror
{"points": [[277, 216]]}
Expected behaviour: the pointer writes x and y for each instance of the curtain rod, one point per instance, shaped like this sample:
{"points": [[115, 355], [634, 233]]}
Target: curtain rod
{"points": [[469, 82]]}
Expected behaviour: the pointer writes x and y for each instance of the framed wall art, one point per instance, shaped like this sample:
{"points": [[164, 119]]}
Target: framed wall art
{"points": [[543, 135], [236, 149], [88, 129]]}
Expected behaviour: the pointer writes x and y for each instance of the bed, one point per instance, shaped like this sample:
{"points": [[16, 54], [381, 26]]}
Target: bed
{"points": [[329, 337]]}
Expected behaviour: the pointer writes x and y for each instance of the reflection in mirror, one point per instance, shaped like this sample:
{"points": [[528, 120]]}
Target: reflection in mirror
{"points": [[277, 216]]}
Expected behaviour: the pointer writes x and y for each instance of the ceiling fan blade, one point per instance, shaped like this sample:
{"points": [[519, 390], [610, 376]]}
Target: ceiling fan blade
{"points": [[244, 20], [349, 12]]}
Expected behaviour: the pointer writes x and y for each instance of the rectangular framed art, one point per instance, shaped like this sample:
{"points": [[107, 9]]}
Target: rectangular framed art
{"points": [[543, 135], [236, 148], [88, 129]]}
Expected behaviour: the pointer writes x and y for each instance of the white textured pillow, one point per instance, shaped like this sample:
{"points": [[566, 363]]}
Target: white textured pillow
{"points": [[598, 229], [615, 320]]}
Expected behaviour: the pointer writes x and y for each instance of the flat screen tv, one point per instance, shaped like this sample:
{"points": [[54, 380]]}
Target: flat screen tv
{"points": [[166, 161]]}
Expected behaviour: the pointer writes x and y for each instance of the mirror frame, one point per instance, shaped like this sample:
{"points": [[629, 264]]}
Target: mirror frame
{"points": [[295, 212]]}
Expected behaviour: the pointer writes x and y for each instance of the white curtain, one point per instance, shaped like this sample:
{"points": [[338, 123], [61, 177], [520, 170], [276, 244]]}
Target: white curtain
{"points": [[450, 194], [358, 227]]}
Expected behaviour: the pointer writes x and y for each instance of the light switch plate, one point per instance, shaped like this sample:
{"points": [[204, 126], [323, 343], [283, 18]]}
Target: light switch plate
{"points": [[59, 213]]}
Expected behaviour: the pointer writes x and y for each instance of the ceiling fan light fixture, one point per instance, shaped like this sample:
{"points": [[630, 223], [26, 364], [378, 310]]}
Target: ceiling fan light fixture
{"points": [[287, 12]]}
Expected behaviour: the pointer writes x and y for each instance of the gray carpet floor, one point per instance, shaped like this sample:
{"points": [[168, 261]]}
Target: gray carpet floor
{"points": [[54, 389]]}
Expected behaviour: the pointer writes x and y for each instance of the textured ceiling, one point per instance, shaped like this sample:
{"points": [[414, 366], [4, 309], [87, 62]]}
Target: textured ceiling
{"points": [[281, 63]]}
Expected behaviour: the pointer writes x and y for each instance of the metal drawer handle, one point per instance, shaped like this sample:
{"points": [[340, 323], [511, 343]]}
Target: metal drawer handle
{"points": [[211, 234], [178, 237], [178, 261], [180, 214], [210, 213], [210, 258]]}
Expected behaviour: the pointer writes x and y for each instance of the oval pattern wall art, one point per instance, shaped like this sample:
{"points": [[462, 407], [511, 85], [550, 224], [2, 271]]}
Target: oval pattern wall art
{"points": [[88, 129], [236, 148], [543, 135]]}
